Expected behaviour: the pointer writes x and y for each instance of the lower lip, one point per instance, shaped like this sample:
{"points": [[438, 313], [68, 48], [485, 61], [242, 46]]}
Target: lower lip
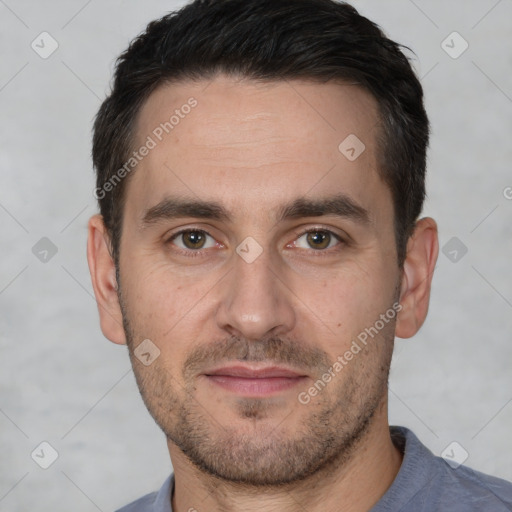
{"points": [[255, 387]]}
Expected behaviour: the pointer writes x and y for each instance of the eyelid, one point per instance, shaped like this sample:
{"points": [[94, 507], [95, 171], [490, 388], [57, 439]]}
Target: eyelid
{"points": [[303, 231], [189, 252], [343, 240]]}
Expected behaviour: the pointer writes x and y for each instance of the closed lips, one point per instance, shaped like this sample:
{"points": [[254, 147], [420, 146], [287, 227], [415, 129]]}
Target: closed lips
{"points": [[249, 373]]}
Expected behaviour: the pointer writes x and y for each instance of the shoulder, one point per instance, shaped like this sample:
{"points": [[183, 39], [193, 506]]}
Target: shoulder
{"points": [[144, 504], [429, 483], [159, 501], [475, 490]]}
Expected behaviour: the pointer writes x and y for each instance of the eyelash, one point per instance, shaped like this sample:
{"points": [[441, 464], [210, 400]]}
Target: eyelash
{"points": [[191, 253]]}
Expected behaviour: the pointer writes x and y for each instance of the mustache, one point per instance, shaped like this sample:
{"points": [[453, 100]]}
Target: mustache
{"points": [[275, 350]]}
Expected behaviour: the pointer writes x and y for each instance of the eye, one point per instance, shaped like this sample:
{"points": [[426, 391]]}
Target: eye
{"points": [[192, 239], [318, 239]]}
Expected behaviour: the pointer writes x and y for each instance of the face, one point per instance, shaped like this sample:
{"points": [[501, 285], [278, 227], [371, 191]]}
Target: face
{"points": [[254, 256]]}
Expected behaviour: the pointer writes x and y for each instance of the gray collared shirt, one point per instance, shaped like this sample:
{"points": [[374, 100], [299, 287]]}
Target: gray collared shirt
{"points": [[425, 483]]}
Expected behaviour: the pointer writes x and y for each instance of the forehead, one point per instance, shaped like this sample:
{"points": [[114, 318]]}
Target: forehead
{"points": [[254, 144]]}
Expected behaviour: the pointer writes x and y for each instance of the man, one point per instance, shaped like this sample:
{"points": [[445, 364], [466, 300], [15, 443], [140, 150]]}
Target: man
{"points": [[260, 174]]}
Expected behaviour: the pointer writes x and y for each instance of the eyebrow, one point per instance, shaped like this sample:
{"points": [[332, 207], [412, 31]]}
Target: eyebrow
{"points": [[173, 207]]}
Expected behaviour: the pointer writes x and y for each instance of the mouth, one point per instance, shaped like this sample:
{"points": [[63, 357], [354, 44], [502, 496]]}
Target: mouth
{"points": [[255, 381]]}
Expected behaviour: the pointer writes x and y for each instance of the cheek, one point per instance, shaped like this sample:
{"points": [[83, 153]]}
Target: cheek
{"points": [[166, 307], [345, 302]]}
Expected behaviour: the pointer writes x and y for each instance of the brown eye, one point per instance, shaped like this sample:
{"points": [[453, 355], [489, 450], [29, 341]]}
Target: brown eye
{"points": [[192, 239], [318, 239]]}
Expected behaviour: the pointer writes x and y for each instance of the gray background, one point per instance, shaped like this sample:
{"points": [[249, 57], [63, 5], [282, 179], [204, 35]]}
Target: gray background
{"points": [[64, 383]]}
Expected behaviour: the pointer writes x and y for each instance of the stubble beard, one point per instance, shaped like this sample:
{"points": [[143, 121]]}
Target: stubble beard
{"points": [[265, 454]]}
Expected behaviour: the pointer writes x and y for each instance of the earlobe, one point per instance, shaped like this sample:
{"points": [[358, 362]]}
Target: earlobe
{"points": [[103, 277], [422, 252]]}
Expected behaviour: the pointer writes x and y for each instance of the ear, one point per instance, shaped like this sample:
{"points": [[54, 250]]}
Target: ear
{"points": [[420, 261], [103, 276]]}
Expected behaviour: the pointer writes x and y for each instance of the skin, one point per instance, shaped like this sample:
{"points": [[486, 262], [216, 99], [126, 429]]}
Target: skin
{"points": [[252, 148]]}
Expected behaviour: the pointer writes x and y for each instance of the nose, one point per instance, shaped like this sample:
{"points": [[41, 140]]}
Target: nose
{"points": [[255, 302]]}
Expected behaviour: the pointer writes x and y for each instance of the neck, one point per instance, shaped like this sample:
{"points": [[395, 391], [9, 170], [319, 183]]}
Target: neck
{"points": [[356, 484]]}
